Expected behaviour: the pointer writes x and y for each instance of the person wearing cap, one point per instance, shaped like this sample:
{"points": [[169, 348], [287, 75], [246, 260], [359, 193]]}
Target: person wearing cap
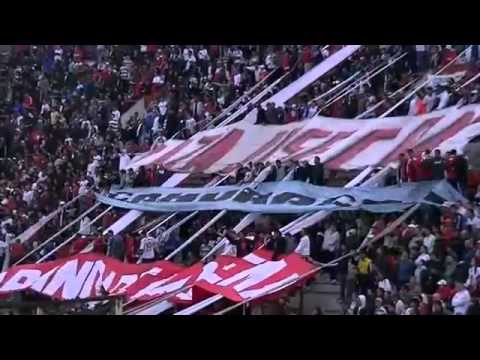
{"points": [[444, 291]]}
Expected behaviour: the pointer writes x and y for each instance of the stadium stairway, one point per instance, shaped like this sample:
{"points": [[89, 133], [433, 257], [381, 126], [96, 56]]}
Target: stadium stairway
{"points": [[321, 293]]}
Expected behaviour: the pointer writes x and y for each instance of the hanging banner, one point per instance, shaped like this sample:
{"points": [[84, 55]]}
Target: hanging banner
{"points": [[282, 198], [92, 275], [345, 144]]}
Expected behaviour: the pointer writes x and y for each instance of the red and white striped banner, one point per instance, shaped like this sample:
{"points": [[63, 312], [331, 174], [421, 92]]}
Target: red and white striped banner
{"points": [[345, 144]]}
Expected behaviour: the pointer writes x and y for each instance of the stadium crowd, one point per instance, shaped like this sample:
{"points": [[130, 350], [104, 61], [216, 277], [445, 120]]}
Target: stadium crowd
{"points": [[62, 120], [378, 93], [63, 133]]}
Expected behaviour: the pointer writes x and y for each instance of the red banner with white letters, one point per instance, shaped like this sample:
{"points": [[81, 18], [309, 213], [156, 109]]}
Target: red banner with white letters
{"points": [[91, 275]]}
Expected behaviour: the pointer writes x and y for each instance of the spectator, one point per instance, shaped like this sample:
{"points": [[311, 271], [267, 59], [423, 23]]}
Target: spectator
{"points": [[461, 300], [402, 169], [3, 250], [438, 166], [452, 167], [330, 246], [412, 167], [317, 172], [303, 247], [116, 246], [443, 96], [365, 271], [148, 248]]}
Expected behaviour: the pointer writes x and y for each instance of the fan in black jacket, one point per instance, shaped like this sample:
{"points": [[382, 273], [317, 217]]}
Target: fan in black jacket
{"points": [[317, 172]]}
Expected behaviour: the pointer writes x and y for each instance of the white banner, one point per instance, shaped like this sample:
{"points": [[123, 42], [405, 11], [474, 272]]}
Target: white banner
{"points": [[345, 144]]}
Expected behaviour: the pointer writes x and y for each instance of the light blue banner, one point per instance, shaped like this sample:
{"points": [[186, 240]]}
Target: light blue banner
{"points": [[282, 198]]}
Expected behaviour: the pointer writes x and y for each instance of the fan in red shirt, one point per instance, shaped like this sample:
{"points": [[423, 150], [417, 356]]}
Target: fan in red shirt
{"points": [[420, 105], [445, 291], [108, 219], [79, 244], [100, 245], [17, 251], [426, 166], [413, 173], [286, 61], [448, 54]]}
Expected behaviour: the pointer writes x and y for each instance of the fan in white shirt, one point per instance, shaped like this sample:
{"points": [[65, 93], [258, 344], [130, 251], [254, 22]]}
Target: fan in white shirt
{"points": [[229, 249], [45, 108], [85, 227], [28, 196], [473, 220], [461, 300], [473, 275], [303, 247], [423, 257], [385, 284], [237, 79], [443, 98], [147, 248], [190, 124], [331, 239], [428, 240]]}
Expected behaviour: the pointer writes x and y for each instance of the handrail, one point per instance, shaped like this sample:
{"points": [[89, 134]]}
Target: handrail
{"points": [[232, 105], [69, 225], [360, 82], [73, 236], [363, 77], [377, 105], [469, 81], [254, 100], [333, 89], [51, 216], [410, 94]]}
